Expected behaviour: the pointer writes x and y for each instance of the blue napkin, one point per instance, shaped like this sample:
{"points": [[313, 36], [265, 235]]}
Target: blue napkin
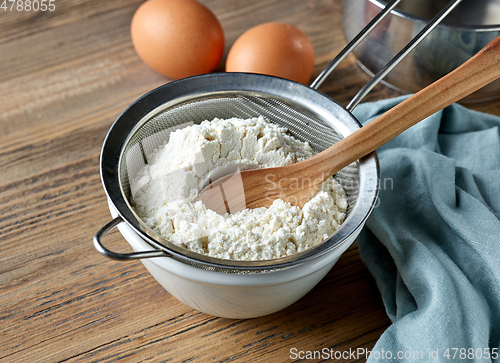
{"points": [[432, 242]]}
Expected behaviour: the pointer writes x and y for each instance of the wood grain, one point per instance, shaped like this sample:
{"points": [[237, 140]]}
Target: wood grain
{"points": [[64, 77]]}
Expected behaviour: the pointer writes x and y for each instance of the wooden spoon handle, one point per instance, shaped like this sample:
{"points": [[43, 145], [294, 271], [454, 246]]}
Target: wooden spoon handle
{"points": [[477, 72]]}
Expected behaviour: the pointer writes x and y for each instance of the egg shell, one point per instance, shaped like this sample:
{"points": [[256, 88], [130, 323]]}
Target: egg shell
{"points": [[177, 38], [276, 49]]}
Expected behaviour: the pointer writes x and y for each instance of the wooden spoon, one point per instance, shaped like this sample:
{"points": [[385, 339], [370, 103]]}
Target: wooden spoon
{"points": [[297, 182]]}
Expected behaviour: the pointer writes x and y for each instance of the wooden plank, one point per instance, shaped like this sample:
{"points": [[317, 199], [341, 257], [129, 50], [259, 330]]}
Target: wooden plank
{"points": [[64, 78]]}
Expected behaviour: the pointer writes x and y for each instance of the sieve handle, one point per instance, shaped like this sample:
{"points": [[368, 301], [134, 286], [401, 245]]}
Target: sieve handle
{"points": [[121, 256], [354, 43], [402, 54]]}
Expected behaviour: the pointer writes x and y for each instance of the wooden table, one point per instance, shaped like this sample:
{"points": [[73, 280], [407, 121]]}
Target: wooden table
{"points": [[65, 76]]}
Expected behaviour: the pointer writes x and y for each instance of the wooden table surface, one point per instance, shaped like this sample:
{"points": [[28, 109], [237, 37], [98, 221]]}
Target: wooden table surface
{"points": [[65, 76]]}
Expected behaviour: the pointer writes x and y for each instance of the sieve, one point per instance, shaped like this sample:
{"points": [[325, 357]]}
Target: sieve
{"points": [[308, 115]]}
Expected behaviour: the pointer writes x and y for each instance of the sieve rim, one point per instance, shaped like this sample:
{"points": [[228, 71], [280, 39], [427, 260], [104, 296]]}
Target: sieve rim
{"points": [[198, 87]]}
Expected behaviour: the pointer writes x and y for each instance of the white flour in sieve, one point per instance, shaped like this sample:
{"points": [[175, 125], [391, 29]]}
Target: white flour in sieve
{"points": [[177, 171]]}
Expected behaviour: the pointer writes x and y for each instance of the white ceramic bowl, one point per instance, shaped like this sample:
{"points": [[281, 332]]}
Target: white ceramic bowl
{"points": [[233, 295]]}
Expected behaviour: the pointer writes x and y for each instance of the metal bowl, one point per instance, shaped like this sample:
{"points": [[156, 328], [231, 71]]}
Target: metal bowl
{"points": [[467, 29]]}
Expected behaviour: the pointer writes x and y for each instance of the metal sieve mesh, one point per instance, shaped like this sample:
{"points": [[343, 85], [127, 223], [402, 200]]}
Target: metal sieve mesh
{"points": [[154, 130], [148, 122]]}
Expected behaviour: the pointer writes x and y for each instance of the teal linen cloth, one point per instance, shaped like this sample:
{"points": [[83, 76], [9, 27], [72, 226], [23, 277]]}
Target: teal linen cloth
{"points": [[432, 242]]}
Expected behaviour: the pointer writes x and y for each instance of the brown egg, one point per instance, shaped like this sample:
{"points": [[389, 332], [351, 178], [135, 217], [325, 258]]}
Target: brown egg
{"points": [[277, 49], [177, 38]]}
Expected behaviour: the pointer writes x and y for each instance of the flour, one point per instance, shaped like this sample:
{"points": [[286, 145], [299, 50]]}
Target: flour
{"points": [[163, 192]]}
